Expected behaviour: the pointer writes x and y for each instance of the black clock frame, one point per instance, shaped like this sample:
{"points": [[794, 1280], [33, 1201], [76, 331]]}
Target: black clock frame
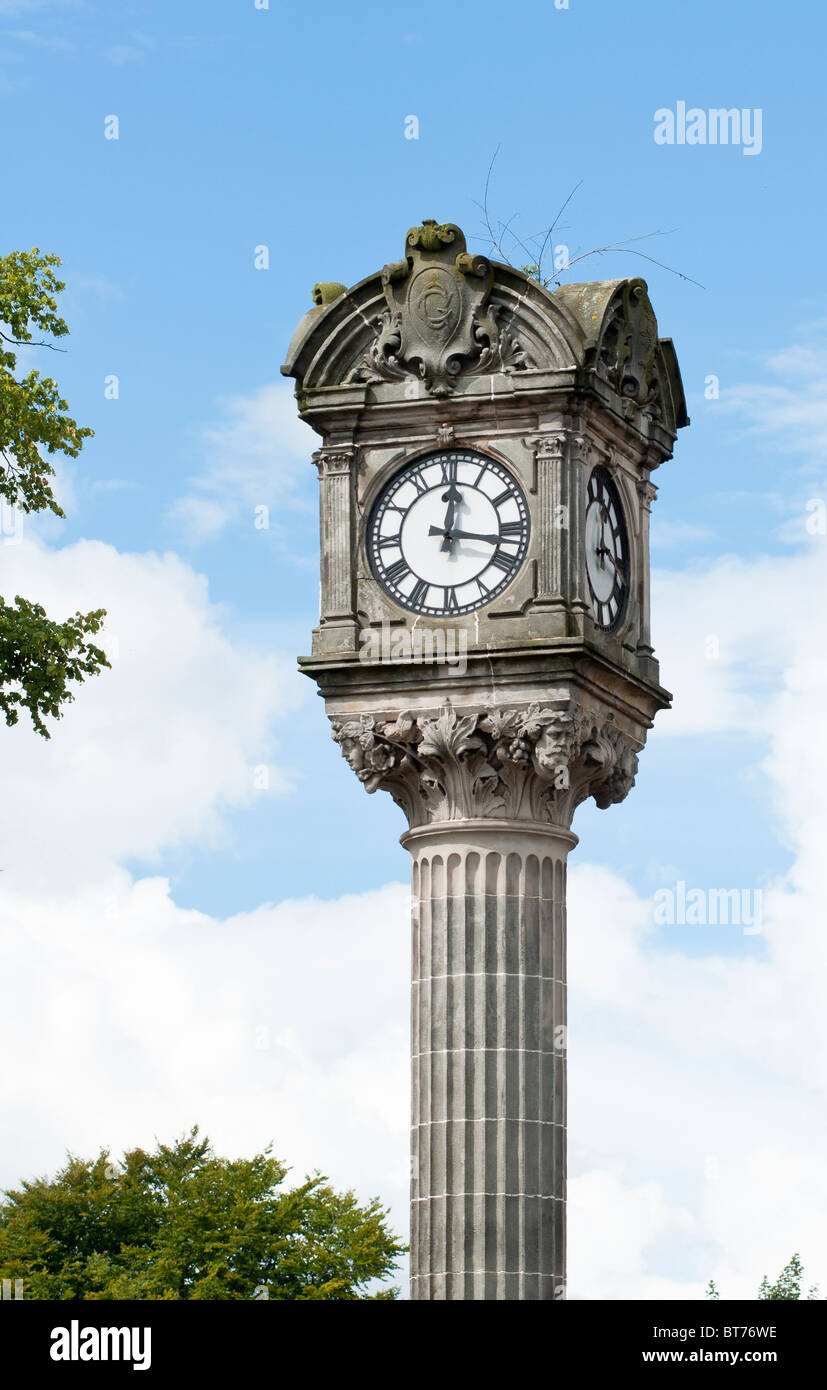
{"points": [[384, 499], [600, 475]]}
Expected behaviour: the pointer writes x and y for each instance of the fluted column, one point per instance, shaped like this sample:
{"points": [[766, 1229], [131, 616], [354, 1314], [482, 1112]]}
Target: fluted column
{"points": [[488, 1171], [489, 795]]}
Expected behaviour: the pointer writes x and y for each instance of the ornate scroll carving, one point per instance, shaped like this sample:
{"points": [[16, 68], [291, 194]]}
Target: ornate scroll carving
{"points": [[439, 321], [532, 763], [628, 346]]}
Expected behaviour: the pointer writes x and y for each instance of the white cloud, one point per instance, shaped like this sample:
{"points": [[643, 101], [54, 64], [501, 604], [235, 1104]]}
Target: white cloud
{"points": [[286, 1024], [151, 751], [667, 534], [697, 1081], [254, 457], [791, 407]]}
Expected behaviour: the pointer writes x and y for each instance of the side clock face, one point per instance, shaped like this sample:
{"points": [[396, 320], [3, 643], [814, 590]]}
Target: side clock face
{"points": [[448, 533], [607, 551]]}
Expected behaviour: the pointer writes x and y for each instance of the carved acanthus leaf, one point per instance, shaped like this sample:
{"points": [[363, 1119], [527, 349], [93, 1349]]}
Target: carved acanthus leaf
{"points": [[532, 762]]}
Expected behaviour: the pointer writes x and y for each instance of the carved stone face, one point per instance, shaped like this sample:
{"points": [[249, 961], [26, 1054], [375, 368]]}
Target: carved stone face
{"points": [[607, 551], [449, 533]]}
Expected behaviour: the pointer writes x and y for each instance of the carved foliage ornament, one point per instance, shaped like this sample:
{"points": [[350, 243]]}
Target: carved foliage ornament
{"points": [[534, 763], [439, 320]]}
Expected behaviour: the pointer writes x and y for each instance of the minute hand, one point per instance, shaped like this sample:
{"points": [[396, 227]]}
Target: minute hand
{"points": [[464, 535]]}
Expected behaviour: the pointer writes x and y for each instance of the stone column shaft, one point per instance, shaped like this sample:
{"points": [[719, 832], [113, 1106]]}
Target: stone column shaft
{"points": [[489, 794], [488, 1061]]}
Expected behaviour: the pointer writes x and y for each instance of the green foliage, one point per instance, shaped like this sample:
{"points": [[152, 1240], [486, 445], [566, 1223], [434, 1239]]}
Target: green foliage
{"points": [[32, 411], [181, 1223], [38, 658], [786, 1286]]}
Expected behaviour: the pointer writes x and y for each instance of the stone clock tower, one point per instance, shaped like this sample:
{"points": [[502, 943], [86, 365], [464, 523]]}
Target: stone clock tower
{"points": [[484, 655]]}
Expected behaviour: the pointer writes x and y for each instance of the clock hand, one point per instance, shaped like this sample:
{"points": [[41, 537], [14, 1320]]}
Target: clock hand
{"points": [[601, 550], [455, 535], [476, 536], [453, 497]]}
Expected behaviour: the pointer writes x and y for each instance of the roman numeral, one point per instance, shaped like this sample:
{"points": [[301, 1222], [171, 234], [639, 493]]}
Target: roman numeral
{"points": [[483, 588], [449, 470], [503, 562], [420, 589], [503, 497], [385, 541], [449, 601], [416, 479], [480, 475], [510, 528], [397, 571]]}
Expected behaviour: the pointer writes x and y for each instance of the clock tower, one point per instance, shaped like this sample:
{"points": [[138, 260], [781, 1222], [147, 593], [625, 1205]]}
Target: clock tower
{"points": [[484, 654]]}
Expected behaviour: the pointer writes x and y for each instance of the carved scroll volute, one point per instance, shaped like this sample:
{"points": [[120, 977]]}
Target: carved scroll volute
{"points": [[628, 345], [531, 763]]}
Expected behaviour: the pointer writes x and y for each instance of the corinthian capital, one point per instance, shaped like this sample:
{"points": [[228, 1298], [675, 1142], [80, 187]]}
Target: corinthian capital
{"points": [[525, 763], [329, 462]]}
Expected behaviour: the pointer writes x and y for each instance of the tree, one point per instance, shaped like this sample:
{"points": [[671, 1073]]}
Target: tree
{"points": [[786, 1286], [181, 1223], [39, 658]]}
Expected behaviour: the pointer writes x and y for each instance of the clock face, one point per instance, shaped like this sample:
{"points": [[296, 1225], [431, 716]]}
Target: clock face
{"points": [[448, 533], [607, 551]]}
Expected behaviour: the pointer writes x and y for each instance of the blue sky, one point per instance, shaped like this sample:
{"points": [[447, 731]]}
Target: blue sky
{"points": [[285, 127]]}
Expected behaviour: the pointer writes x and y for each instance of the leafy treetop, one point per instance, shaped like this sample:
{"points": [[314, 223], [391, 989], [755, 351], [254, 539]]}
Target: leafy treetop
{"points": [[182, 1223], [39, 658]]}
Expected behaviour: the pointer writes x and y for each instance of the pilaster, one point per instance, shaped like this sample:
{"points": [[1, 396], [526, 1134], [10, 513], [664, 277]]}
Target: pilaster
{"points": [[338, 626]]}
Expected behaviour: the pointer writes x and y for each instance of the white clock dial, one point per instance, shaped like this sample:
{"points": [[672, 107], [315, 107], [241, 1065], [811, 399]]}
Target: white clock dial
{"points": [[607, 551], [448, 533]]}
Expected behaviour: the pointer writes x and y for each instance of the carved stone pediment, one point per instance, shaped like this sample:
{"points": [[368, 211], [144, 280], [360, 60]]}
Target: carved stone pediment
{"points": [[439, 321], [531, 763], [443, 317]]}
